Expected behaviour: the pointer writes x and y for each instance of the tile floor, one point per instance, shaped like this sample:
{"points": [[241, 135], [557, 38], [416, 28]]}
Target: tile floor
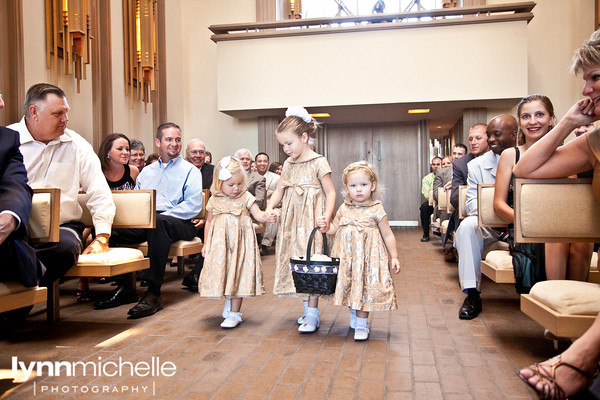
{"points": [[420, 351]]}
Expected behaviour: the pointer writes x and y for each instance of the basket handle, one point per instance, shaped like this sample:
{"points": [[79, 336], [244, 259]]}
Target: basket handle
{"points": [[310, 242]]}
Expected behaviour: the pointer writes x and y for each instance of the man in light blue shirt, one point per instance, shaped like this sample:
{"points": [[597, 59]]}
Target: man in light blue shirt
{"points": [[178, 186]]}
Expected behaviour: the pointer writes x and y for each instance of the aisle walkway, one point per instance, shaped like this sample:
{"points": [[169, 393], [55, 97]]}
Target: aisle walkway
{"points": [[420, 351]]}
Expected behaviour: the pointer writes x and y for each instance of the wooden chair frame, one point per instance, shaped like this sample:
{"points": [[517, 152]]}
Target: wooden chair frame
{"points": [[54, 230], [462, 202], [561, 325], [38, 294]]}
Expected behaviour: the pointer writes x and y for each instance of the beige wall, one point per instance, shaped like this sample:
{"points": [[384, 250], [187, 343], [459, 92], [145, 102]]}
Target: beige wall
{"points": [[447, 63], [192, 74], [192, 71], [132, 122], [34, 38], [557, 30]]}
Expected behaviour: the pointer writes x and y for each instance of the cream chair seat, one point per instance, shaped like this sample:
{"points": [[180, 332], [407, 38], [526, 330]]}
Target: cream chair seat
{"points": [[565, 308], [134, 209]]}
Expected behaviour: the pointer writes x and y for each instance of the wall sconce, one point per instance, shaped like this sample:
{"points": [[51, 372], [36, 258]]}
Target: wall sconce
{"points": [[68, 36], [295, 9], [140, 48]]}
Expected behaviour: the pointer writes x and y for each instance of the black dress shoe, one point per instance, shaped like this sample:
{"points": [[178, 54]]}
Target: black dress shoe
{"points": [[144, 283], [449, 254], [149, 304], [121, 295], [264, 250], [425, 238], [471, 308], [190, 281]]}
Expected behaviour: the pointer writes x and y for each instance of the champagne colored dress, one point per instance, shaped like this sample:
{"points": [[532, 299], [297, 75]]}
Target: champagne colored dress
{"points": [[303, 201], [593, 139], [364, 279], [232, 266]]}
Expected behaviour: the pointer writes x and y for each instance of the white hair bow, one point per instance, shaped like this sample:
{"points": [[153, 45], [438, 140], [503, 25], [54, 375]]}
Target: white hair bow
{"points": [[225, 174], [300, 112]]}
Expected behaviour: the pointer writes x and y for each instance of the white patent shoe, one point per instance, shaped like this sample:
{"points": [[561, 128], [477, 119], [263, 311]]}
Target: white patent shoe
{"points": [[232, 320], [361, 333], [310, 324], [301, 319]]}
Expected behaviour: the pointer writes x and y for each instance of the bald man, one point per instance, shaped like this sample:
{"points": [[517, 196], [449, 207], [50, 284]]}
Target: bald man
{"points": [[470, 238]]}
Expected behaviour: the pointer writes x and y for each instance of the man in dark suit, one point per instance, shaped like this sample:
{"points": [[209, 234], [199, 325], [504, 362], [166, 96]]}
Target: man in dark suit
{"points": [[478, 146], [19, 262], [196, 154], [256, 182]]}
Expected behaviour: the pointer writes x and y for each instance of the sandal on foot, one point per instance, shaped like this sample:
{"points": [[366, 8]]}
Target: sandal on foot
{"points": [[550, 389], [83, 296]]}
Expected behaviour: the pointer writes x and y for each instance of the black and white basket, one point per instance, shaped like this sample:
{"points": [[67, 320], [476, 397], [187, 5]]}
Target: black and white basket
{"points": [[315, 277]]}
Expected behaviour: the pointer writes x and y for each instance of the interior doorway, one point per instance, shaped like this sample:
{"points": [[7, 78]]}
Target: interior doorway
{"points": [[394, 151]]}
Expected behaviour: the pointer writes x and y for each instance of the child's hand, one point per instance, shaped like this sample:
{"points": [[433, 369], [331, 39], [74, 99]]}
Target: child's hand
{"points": [[203, 251], [395, 265], [198, 223], [271, 216], [323, 223]]}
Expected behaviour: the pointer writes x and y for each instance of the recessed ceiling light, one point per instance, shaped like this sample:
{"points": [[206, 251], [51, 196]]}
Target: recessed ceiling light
{"points": [[320, 115], [418, 111], [439, 126]]}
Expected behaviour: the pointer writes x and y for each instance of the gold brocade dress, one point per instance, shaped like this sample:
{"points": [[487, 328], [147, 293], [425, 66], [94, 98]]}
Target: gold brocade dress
{"points": [[232, 266], [593, 139], [364, 281], [303, 201]]}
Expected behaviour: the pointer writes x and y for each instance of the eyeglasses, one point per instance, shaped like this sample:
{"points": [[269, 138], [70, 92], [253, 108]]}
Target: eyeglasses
{"points": [[198, 152]]}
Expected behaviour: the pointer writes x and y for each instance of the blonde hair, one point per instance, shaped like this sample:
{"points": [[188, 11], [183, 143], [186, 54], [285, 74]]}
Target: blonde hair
{"points": [[367, 168], [235, 167], [588, 54]]}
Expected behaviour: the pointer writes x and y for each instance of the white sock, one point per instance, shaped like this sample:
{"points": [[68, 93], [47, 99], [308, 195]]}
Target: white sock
{"points": [[361, 322], [312, 311], [305, 304]]}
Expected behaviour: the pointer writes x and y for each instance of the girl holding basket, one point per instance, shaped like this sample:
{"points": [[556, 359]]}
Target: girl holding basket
{"points": [[307, 198]]}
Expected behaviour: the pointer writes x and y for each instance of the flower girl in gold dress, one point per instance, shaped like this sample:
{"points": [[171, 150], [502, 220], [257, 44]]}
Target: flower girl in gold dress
{"points": [[232, 265], [366, 246]]}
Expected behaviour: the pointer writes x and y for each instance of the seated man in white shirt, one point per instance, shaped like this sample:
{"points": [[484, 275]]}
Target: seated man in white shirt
{"points": [[55, 156]]}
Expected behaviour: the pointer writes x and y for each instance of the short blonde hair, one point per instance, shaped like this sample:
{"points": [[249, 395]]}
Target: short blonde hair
{"points": [[367, 168], [587, 55], [235, 167]]}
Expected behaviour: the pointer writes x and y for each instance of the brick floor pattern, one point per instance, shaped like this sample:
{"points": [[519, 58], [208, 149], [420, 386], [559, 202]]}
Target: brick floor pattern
{"points": [[420, 351]]}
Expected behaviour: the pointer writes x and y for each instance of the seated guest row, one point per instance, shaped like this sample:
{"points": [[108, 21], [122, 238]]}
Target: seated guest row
{"points": [[55, 156]]}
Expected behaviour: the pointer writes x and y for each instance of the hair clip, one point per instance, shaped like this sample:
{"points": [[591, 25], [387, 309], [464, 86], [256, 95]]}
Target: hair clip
{"points": [[224, 174]]}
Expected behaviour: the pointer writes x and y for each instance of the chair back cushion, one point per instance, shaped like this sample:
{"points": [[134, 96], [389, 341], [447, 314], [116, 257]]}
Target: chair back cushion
{"points": [[556, 210]]}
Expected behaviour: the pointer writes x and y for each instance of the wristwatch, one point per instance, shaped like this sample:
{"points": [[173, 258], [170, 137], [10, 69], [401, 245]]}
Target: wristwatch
{"points": [[102, 239]]}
